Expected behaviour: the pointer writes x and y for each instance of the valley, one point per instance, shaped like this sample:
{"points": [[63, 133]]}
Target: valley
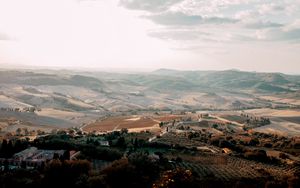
{"points": [[215, 127], [49, 99]]}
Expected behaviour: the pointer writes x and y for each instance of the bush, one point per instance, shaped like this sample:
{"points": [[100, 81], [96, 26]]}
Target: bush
{"points": [[268, 145], [283, 156], [254, 142], [137, 171], [65, 173], [259, 155], [101, 153], [225, 144], [175, 179]]}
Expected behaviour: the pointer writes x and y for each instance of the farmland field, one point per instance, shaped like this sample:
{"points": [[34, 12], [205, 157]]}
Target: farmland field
{"points": [[117, 123], [235, 118], [134, 123], [168, 117], [273, 112], [234, 168], [283, 122], [293, 119]]}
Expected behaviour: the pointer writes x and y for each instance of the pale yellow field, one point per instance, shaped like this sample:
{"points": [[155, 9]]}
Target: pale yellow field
{"points": [[79, 103], [50, 112], [9, 102], [281, 128], [283, 122], [22, 91], [281, 100], [134, 123], [117, 123], [274, 112]]}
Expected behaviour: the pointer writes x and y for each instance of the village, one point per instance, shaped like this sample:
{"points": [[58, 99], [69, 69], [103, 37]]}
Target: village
{"points": [[195, 132]]}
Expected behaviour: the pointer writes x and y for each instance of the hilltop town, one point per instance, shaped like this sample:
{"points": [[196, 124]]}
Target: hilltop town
{"points": [[208, 148], [161, 129]]}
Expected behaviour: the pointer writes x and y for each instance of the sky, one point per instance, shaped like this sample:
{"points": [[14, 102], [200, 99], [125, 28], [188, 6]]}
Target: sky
{"points": [[250, 35]]}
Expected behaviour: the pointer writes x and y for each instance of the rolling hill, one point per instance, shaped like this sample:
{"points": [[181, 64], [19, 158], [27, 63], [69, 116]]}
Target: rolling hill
{"points": [[160, 89]]}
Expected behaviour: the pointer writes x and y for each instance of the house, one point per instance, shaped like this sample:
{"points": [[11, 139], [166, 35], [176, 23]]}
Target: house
{"points": [[104, 143], [227, 151], [31, 157], [33, 153]]}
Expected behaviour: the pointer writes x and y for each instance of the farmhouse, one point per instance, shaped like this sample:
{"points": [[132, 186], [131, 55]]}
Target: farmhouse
{"points": [[32, 157], [33, 153], [104, 143], [227, 151]]}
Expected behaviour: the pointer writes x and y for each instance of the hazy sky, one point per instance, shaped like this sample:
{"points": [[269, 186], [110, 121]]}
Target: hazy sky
{"points": [[255, 35]]}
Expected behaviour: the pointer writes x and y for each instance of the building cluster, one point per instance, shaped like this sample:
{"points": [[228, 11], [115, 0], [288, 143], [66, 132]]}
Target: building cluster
{"points": [[33, 157], [35, 154], [25, 109]]}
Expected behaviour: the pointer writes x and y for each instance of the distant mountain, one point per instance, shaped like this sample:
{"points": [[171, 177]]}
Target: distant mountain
{"points": [[85, 81], [37, 79], [233, 79], [276, 78], [166, 72], [160, 89]]}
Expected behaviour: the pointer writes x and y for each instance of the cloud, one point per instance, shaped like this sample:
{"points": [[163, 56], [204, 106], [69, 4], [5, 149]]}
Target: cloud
{"points": [[148, 5], [271, 8], [179, 35], [282, 35], [162, 5], [252, 19], [292, 26], [179, 18], [292, 35], [262, 24], [202, 7], [289, 33]]}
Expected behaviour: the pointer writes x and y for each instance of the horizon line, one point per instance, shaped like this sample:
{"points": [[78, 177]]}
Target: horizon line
{"points": [[5, 66]]}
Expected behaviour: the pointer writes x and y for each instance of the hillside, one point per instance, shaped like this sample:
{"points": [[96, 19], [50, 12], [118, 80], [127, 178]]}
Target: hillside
{"points": [[161, 89]]}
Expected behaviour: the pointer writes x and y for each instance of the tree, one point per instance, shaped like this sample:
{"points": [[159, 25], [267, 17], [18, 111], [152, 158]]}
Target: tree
{"points": [[55, 156], [143, 164], [3, 150], [20, 145], [259, 155], [71, 131], [6, 165], [96, 182], [135, 144], [26, 132], [121, 142], [283, 156], [254, 142], [10, 149], [23, 165], [4, 145], [124, 131], [161, 124], [122, 171], [215, 126], [175, 179], [65, 173], [66, 155], [18, 131]]}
